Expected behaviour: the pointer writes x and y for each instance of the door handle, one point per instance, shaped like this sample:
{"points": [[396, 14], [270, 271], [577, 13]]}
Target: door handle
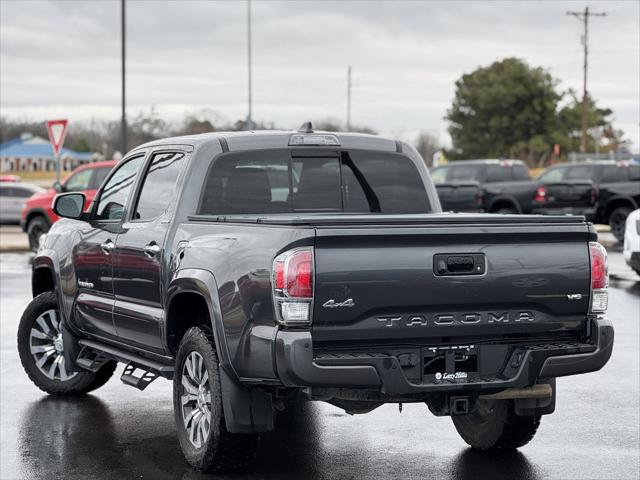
{"points": [[151, 249], [107, 247]]}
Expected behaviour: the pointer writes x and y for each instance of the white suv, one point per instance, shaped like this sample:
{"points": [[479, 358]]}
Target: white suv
{"points": [[632, 241]]}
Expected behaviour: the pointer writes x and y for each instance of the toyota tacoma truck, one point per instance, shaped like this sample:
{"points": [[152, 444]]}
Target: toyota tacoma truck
{"points": [[257, 269]]}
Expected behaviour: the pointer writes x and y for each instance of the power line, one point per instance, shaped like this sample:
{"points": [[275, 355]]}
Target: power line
{"points": [[584, 17]]}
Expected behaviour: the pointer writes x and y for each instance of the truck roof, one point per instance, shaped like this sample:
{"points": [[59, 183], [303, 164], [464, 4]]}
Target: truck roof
{"points": [[264, 139], [484, 161]]}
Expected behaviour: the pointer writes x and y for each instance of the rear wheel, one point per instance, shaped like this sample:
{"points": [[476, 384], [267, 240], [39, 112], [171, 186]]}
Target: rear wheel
{"points": [[36, 227], [199, 415], [41, 350], [494, 424], [617, 221], [507, 211]]}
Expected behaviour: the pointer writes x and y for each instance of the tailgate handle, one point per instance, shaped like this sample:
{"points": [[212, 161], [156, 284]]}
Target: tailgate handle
{"points": [[447, 264]]}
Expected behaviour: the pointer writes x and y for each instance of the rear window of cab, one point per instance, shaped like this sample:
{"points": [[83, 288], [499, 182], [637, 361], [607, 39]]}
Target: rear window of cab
{"points": [[286, 181]]}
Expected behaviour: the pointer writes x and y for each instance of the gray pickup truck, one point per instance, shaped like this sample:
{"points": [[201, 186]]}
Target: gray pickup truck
{"points": [[256, 269]]}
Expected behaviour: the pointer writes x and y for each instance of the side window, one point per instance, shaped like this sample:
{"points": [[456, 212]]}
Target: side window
{"points": [[615, 173], [79, 181], [4, 192], [20, 192], [634, 173], [116, 191], [583, 172], [497, 173], [159, 184], [552, 175], [99, 174], [520, 172], [439, 175]]}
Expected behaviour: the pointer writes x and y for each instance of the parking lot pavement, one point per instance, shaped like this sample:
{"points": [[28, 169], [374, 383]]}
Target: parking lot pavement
{"points": [[119, 432], [13, 239]]}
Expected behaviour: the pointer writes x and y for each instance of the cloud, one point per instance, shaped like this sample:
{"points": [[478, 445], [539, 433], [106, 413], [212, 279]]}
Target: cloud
{"points": [[63, 57]]}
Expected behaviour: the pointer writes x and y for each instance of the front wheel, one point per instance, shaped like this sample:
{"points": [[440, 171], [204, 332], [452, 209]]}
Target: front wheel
{"points": [[494, 424], [198, 411], [41, 350]]}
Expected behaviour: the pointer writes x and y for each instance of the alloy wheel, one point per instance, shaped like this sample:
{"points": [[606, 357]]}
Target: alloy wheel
{"points": [[47, 347], [196, 399]]}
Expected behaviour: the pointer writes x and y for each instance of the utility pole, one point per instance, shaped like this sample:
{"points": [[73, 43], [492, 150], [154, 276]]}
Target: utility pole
{"points": [[249, 125], [349, 98], [123, 122], [584, 114]]}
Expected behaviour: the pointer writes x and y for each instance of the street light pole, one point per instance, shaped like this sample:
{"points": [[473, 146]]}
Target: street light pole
{"points": [[249, 124], [123, 122]]}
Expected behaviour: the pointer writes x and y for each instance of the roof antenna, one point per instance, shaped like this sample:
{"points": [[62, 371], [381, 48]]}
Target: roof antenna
{"points": [[306, 127]]}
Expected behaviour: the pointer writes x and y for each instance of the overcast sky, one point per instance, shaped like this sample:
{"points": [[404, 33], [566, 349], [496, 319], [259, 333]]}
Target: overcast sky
{"points": [[62, 58]]}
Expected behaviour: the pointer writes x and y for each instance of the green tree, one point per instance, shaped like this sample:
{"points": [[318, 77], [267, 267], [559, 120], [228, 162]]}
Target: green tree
{"points": [[506, 109]]}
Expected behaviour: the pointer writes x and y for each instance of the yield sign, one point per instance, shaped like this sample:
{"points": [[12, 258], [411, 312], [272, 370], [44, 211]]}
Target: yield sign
{"points": [[57, 130]]}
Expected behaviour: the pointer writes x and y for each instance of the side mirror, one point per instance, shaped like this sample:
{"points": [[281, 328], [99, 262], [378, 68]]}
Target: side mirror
{"points": [[69, 205], [58, 187]]}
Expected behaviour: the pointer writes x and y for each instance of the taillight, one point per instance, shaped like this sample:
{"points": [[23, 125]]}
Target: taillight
{"points": [[292, 279], [541, 195], [479, 198], [599, 278], [594, 195]]}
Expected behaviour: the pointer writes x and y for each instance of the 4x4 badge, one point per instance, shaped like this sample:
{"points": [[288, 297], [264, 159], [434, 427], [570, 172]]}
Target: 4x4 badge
{"points": [[333, 304]]}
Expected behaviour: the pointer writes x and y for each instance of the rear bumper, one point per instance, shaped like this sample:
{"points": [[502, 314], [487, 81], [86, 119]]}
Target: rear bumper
{"points": [[297, 366]]}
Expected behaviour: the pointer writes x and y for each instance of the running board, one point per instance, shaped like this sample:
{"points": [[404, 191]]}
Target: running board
{"points": [[100, 349], [140, 382]]}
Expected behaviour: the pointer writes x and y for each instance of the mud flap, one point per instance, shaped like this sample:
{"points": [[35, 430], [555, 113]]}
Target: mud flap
{"points": [[526, 407], [71, 350], [246, 410]]}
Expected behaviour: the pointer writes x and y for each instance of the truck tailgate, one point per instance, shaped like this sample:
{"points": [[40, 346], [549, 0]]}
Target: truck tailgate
{"points": [[438, 282]]}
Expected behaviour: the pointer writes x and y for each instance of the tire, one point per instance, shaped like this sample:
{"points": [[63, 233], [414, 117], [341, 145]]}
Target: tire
{"points": [[617, 221], [39, 330], [37, 226], [507, 211], [494, 425], [210, 448]]}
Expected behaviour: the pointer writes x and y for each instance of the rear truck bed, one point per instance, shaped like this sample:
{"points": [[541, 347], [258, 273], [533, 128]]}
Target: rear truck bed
{"points": [[415, 304]]}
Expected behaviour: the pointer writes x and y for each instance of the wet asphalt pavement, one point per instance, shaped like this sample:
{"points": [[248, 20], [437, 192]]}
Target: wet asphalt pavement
{"points": [[119, 432]]}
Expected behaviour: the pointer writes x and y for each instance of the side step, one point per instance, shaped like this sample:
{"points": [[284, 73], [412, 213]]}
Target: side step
{"points": [[140, 382], [92, 352]]}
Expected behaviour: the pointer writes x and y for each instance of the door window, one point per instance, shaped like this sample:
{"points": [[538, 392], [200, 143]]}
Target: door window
{"points": [[78, 181], [520, 172], [115, 193], [552, 175], [99, 175], [583, 172], [497, 173], [614, 173], [159, 183]]}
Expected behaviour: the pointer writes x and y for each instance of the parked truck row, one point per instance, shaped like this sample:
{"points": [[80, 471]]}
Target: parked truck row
{"points": [[603, 192]]}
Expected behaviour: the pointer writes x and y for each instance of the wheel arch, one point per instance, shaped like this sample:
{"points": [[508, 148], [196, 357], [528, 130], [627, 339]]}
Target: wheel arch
{"points": [[37, 212], [617, 202], [504, 201], [195, 289]]}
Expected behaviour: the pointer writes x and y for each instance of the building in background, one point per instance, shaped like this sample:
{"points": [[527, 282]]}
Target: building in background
{"points": [[31, 153]]}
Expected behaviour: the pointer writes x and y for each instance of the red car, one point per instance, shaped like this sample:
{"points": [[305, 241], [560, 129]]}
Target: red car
{"points": [[37, 216]]}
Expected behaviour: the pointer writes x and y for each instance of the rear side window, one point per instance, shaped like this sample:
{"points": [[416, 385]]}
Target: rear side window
{"points": [[158, 186], [520, 172], [497, 173], [282, 181], [615, 173]]}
